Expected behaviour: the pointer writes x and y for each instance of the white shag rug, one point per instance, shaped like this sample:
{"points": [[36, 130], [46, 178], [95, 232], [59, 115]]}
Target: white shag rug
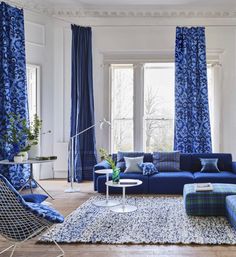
{"points": [[158, 220]]}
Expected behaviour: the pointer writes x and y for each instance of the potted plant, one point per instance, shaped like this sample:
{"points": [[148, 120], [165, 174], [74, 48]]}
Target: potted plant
{"points": [[115, 171], [21, 136]]}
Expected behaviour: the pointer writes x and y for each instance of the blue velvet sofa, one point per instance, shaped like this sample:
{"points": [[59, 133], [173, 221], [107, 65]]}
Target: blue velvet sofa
{"points": [[172, 182]]}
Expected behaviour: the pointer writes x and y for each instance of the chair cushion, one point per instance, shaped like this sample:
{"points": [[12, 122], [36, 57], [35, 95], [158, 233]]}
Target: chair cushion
{"points": [[219, 177], [169, 182], [224, 161], [34, 198], [39, 210], [45, 212]]}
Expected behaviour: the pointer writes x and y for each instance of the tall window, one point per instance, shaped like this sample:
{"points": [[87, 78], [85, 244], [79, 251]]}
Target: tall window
{"points": [[158, 106], [142, 106], [122, 107], [32, 74]]}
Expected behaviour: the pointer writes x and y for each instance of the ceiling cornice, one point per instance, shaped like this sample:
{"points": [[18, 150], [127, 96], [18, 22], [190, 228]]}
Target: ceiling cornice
{"points": [[119, 12]]}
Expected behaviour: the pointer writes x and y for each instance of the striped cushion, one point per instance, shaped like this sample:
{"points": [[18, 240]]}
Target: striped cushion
{"points": [[167, 161], [207, 203]]}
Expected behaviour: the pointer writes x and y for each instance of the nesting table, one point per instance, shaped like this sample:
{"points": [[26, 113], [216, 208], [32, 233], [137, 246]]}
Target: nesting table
{"points": [[124, 183], [108, 202]]}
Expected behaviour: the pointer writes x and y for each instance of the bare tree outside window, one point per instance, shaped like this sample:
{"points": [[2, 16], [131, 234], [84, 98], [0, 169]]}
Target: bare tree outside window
{"points": [[158, 106], [122, 107]]}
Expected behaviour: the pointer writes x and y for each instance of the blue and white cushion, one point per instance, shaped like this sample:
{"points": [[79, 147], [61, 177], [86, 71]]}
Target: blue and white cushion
{"points": [[148, 168]]}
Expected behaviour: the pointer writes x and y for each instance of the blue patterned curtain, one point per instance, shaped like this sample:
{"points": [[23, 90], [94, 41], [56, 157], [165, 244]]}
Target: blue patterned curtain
{"points": [[82, 103], [192, 122], [13, 90]]}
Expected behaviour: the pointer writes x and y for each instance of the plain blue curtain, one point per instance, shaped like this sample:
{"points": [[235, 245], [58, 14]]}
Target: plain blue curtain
{"points": [[13, 89], [82, 103], [192, 121]]}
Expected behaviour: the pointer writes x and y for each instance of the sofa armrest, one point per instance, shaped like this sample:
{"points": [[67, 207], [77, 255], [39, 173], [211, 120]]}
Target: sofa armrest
{"points": [[234, 167], [102, 165]]}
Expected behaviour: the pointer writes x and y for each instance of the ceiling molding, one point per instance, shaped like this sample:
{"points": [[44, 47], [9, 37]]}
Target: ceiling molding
{"points": [[120, 12]]}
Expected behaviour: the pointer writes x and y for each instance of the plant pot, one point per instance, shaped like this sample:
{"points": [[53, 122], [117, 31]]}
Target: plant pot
{"points": [[18, 158], [24, 155], [34, 151], [116, 176]]}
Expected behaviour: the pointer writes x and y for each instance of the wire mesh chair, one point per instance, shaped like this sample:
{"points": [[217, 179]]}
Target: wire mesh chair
{"points": [[18, 221]]}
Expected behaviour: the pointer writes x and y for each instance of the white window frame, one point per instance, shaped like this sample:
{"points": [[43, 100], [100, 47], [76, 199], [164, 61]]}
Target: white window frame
{"points": [[37, 168], [138, 60]]}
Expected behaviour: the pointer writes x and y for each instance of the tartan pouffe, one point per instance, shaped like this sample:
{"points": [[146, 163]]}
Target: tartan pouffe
{"points": [[208, 203], [231, 209]]}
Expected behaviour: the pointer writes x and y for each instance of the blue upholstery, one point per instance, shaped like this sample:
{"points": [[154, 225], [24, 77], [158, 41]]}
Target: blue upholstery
{"points": [[34, 198], [169, 182], [39, 210], [142, 189], [224, 161], [207, 203], [216, 177], [173, 182], [230, 205], [45, 212]]}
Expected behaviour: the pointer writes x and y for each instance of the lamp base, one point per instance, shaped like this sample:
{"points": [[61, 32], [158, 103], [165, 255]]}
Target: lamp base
{"points": [[72, 190]]}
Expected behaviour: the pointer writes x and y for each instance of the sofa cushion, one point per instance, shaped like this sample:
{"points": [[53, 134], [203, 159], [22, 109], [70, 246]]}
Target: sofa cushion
{"points": [[224, 161], [142, 189], [209, 165], [132, 164], [148, 168], [219, 177], [121, 155], [169, 182], [167, 161]]}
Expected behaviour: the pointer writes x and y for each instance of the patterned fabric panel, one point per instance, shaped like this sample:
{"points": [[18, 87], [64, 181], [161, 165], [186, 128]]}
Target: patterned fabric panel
{"points": [[148, 168], [231, 209], [192, 121], [13, 90], [167, 161], [207, 203]]}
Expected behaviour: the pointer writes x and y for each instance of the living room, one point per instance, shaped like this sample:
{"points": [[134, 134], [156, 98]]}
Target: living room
{"points": [[119, 123]]}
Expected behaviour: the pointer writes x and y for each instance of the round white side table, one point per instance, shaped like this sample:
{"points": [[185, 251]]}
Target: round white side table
{"points": [[107, 202], [123, 208]]}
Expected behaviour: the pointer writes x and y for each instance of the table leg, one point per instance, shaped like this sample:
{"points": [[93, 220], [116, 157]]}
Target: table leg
{"points": [[123, 198], [107, 189]]}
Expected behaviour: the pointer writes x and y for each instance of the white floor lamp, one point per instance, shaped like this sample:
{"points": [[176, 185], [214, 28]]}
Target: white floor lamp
{"points": [[71, 153]]}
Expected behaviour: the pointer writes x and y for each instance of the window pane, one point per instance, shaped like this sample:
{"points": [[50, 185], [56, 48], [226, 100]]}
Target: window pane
{"points": [[32, 90], [210, 82], [158, 106], [122, 107]]}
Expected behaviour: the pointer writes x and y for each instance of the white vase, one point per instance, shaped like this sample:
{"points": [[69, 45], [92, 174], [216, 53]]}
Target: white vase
{"points": [[18, 158], [24, 155], [34, 151]]}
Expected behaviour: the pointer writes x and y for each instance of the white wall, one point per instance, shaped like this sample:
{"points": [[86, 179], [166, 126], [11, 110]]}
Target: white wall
{"points": [[54, 58], [39, 50]]}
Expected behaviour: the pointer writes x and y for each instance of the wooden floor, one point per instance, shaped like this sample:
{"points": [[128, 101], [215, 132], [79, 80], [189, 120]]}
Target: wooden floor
{"points": [[66, 203]]}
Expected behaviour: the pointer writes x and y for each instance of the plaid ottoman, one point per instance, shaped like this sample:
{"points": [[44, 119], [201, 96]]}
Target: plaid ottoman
{"points": [[210, 203], [231, 209]]}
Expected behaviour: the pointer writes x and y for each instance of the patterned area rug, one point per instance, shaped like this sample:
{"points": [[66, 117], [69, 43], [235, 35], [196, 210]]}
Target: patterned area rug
{"points": [[158, 220]]}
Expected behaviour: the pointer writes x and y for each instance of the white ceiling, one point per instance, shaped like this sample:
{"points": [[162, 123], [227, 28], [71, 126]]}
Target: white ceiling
{"points": [[136, 3]]}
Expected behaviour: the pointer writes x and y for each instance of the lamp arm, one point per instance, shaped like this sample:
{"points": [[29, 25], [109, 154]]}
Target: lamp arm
{"points": [[81, 132]]}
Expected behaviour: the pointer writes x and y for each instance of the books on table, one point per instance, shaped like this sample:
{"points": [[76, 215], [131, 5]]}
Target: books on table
{"points": [[203, 187]]}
